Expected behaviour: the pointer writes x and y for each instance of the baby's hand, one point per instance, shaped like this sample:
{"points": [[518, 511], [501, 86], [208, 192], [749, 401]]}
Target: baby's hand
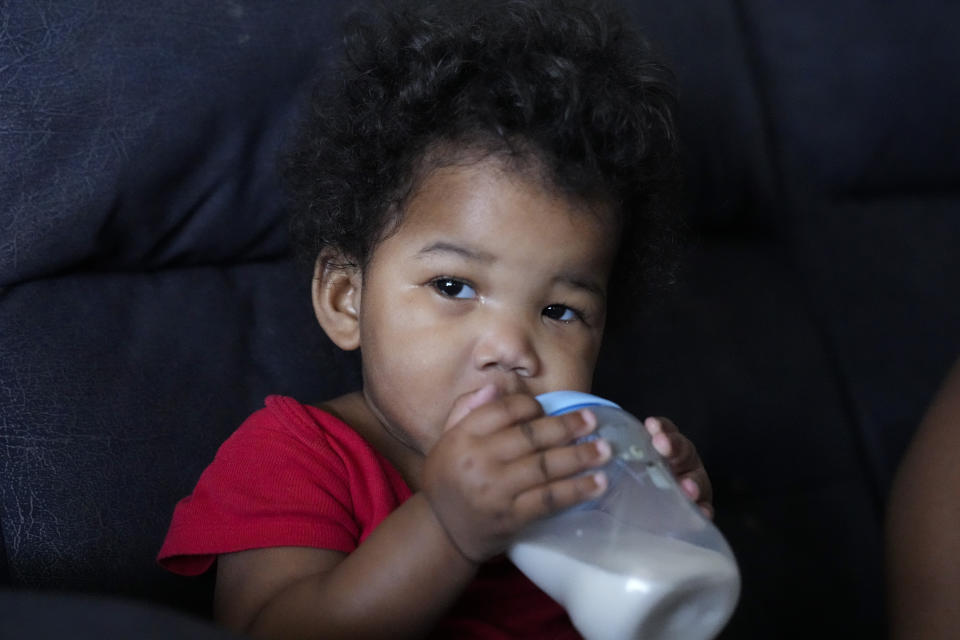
{"points": [[683, 460], [503, 464]]}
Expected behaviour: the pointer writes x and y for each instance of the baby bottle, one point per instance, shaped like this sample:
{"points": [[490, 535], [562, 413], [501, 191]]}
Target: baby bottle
{"points": [[640, 561]]}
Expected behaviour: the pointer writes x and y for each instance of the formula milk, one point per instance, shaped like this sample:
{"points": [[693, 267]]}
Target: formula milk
{"points": [[637, 586]]}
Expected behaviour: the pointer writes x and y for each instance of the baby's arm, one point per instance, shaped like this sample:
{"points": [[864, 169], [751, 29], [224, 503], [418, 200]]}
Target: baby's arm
{"points": [[395, 584], [498, 468]]}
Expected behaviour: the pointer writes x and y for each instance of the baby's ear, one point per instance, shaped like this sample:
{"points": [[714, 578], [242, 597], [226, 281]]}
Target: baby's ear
{"points": [[336, 298]]}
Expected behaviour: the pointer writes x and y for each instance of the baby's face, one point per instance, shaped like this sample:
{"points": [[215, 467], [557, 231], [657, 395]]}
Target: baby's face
{"points": [[489, 278]]}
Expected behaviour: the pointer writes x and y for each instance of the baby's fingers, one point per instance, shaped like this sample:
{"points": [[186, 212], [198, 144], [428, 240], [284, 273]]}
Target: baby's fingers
{"points": [[547, 466], [547, 499], [539, 436], [684, 461], [672, 445], [698, 488]]}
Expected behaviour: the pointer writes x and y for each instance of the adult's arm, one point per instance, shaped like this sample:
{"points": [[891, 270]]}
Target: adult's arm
{"points": [[923, 525]]}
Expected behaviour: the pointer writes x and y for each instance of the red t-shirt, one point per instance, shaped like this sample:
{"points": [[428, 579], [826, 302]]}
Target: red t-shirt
{"points": [[293, 475]]}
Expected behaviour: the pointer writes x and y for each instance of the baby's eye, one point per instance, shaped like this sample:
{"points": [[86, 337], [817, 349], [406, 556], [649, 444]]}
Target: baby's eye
{"points": [[561, 313], [453, 288]]}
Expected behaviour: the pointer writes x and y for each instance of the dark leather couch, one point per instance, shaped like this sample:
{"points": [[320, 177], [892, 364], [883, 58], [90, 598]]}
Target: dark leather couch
{"points": [[148, 302]]}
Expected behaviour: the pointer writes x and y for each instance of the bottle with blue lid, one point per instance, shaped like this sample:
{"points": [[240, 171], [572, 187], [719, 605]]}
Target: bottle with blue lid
{"points": [[641, 560]]}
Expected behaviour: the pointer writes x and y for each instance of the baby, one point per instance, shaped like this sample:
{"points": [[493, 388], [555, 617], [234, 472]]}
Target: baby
{"points": [[476, 184]]}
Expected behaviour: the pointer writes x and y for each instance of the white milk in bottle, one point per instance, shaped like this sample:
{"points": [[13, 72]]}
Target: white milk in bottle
{"points": [[647, 586]]}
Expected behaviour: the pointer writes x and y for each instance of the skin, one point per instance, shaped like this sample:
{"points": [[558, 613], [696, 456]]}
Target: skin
{"points": [[491, 290], [923, 525]]}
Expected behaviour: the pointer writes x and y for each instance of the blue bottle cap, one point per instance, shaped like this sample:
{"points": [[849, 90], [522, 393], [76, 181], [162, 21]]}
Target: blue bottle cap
{"points": [[557, 402]]}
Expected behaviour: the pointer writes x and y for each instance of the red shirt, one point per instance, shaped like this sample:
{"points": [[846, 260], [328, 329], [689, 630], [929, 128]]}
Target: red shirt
{"points": [[293, 475]]}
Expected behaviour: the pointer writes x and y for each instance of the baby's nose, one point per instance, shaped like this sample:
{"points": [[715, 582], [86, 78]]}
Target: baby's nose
{"points": [[507, 344]]}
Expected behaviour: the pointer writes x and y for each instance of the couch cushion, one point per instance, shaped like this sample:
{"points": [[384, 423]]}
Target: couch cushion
{"points": [[137, 136], [117, 390], [861, 96], [731, 183]]}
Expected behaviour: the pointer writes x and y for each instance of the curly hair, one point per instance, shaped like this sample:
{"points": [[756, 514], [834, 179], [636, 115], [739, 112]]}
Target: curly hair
{"points": [[564, 86]]}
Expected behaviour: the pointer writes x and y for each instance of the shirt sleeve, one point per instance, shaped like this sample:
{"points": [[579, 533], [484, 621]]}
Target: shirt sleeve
{"points": [[273, 483]]}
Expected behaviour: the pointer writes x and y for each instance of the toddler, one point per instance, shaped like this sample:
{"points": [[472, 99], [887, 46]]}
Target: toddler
{"points": [[477, 185]]}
